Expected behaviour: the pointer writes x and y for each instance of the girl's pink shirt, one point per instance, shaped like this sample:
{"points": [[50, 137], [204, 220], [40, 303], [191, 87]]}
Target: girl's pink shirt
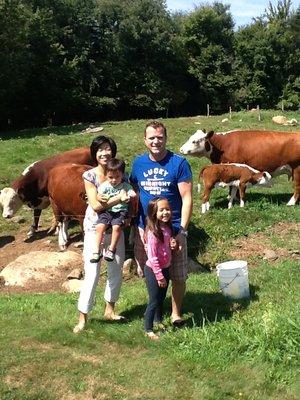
{"points": [[159, 253]]}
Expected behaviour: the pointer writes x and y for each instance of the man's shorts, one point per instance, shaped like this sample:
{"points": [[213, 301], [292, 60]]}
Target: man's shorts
{"points": [[178, 266], [112, 218]]}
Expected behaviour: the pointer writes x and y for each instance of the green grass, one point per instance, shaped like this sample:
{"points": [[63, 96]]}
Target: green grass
{"points": [[241, 350]]}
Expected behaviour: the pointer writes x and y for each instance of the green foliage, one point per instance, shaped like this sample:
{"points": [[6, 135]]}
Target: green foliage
{"points": [[208, 41], [65, 61]]}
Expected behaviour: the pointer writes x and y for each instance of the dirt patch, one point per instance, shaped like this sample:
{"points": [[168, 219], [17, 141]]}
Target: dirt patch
{"points": [[254, 245], [13, 246]]}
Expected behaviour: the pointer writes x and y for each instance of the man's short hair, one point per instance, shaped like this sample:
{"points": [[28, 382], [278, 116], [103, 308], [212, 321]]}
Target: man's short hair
{"points": [[156, 125]]}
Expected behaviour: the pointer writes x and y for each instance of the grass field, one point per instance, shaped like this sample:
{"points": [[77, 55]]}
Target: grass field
{"points": [[228, 350]]}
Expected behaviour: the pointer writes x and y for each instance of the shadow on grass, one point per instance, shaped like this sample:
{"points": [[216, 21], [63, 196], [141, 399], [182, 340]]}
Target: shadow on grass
{"points": [[201, 308], [213, 307], [40, 234], [4, 240], [43, 131], [197, 241], [272, 198]]}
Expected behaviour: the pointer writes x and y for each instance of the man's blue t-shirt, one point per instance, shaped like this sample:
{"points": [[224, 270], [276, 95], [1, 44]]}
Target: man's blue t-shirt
{"points": [[160, 179]]}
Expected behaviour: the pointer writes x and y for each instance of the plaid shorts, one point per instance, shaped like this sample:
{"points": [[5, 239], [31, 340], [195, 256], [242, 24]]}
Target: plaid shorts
{"points": [[178, 266]]}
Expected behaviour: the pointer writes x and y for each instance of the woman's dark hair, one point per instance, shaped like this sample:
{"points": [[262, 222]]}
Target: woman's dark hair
{"points": [[98, 141], [152, 221]]}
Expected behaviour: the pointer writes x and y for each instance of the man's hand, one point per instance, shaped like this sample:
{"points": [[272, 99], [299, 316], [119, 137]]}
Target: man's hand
{"points": [[162, 283], [174, 244]]}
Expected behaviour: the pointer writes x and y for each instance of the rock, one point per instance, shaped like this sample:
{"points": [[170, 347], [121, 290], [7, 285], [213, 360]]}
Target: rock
{"points": [[225, 120], [75, 274], [39, 266], [18, 219], [281, 120], [194, 266], [129, 267], [78, 245], [270, 255], [72, 285], [92, 130]]}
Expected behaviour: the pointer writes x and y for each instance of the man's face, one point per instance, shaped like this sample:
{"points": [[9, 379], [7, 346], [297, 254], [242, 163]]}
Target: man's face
{"points": [[155, 141]]}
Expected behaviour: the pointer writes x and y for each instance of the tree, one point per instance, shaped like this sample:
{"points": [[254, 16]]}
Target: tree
{"points": [[208, 41]]}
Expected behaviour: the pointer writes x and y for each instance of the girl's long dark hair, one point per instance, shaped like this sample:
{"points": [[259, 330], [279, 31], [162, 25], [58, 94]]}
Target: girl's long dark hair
{"points": [[153, 222]]}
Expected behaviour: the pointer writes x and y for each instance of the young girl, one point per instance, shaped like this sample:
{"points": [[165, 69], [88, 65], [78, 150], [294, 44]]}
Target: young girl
{"points": [[159, 245]]}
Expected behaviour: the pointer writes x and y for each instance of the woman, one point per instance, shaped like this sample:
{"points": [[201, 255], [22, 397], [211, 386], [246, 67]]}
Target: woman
{"points": [[102, 149]]}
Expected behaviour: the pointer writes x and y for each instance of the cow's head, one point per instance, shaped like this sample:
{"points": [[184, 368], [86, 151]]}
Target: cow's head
{"points": [[198, 144], [10, 201], [264, 178]]}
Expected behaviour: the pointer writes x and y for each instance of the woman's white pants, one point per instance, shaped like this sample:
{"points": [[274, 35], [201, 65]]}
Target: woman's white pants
{"points": [[92, 273]]}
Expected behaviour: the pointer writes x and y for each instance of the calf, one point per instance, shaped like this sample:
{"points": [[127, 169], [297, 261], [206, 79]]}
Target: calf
{"points": [[31, 187], [67, 197], [236, 176]]}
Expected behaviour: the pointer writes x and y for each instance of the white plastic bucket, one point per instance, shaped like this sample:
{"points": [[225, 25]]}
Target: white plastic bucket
{"points": [[233, 279]]}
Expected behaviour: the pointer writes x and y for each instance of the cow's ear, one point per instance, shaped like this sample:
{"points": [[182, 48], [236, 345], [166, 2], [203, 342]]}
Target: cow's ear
{"points": [[209, 134]]}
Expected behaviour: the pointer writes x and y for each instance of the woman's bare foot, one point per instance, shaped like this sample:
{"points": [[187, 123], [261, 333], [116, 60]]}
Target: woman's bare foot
{"points": [[151, 335], [79, 327], [81, 323], [114, 317]]}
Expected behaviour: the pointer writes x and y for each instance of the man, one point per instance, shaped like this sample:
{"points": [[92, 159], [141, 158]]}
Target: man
{"points": [[160, 172]]}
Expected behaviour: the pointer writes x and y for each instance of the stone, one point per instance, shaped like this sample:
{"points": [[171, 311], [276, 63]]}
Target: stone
{"points": [[129, 267], [270, 255], [72, 285], [18, 219], [225, 120], [78, 245], [92, 130], [76, 273], [39, 266]]}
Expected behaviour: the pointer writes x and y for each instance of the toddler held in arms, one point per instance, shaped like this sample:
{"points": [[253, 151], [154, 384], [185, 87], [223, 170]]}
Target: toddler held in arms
{"points": [[116, 215]]}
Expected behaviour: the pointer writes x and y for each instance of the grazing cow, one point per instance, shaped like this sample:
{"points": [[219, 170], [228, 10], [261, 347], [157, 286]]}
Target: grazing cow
{"points": [[67, 197], [272, 151], [30, 188], [236, 176]]}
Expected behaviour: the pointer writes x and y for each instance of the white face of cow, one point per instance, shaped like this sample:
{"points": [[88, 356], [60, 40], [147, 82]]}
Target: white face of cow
{"points": [[10, 201], [265, 179], [195, 146]]}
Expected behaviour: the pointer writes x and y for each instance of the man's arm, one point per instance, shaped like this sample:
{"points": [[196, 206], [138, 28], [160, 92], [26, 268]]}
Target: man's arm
{"points": [[186, 193]]}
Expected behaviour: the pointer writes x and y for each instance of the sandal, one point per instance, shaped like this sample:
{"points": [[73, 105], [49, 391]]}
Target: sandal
{"points": [[109, 255], [96, 257]]}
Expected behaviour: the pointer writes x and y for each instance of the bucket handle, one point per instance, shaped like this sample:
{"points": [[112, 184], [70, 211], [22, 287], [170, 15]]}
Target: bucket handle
{"points": [[227, 284]]}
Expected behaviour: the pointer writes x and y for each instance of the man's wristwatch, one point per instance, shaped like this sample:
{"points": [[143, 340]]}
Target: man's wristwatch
{"points": [[183, 231]]}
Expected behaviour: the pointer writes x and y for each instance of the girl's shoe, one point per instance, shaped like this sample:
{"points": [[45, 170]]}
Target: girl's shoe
{"points": [[151, 335], [96, 257], [109, 255]]}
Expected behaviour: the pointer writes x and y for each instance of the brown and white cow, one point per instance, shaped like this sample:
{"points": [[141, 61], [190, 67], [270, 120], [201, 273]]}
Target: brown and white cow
{"points": [[236, 176], [272, 151], [67, 197], [30, 188]]}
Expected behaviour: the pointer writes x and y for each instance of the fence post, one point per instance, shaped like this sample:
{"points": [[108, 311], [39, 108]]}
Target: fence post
{"points": [[230, 113], [258, 111], [207, 106]]}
